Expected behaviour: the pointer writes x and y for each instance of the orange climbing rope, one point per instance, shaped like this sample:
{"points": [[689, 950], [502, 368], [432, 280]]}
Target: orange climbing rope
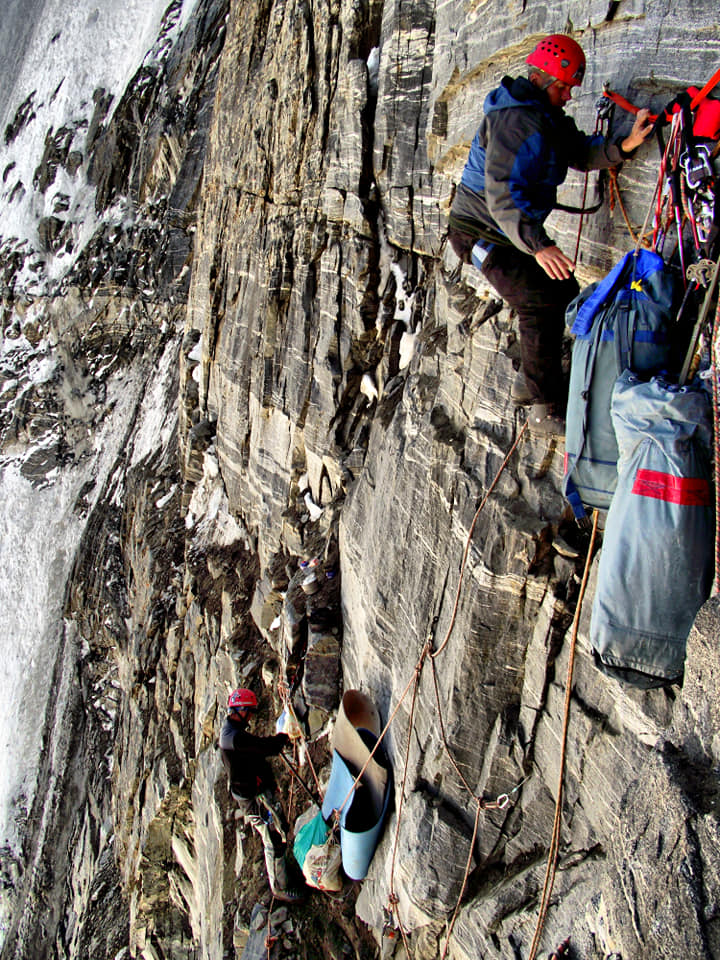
{"points": [[555, 841], [616, 198], [481, 804], [393, 900], [413, 684], [470, 535]]}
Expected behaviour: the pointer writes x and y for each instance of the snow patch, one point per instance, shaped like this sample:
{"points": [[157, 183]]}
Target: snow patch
{"points": [[313, 509], [39, 535], [76, 50], [368, 388], [208, 511], [408, 342], [195, 355], [158, 415], [404, 300]]}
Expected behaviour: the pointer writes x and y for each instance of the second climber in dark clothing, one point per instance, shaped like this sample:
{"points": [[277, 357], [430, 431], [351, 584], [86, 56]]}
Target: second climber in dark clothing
{"points": [[253, 787], [519, 156]]}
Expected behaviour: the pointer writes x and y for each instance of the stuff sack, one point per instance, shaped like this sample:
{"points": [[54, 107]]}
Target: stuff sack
{"points": [[656, 565], [619, 323], [318, 853]]}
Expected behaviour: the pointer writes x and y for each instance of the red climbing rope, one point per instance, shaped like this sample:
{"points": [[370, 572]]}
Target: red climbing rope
{"points": [[715, 359]]}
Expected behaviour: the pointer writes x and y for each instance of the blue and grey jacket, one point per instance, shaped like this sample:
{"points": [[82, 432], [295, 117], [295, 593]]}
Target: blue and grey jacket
{"points": [[519, 156]]}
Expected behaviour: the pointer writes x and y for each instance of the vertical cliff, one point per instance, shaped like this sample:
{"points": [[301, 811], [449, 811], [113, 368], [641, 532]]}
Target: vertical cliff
{"points": [[301, 368]]}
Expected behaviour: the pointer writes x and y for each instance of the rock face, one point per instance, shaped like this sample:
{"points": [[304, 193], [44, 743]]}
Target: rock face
{"points": [[317, 377]]}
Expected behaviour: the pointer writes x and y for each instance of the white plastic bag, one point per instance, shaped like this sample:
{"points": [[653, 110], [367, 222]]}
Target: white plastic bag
{"points": [[288, 723]]}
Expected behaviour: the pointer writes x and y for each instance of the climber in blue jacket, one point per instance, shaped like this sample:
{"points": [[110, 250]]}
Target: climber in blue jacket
{"points": [[519, 156]]}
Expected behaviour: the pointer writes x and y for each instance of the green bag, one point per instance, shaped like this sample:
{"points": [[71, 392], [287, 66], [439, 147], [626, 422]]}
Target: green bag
{"points": [[312, 834], [318, 852]]}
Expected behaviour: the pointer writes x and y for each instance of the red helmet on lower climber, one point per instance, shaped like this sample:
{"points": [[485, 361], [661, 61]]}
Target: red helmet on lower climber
{"points": [[242, 699]]}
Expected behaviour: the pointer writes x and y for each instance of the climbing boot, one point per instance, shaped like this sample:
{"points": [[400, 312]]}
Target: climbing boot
{"points": [[519, 391], [282, 888], [544, 421]]}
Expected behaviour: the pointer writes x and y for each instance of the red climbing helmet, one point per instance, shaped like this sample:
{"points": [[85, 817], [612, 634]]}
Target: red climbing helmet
{"points": [[242, 699], [561, 57]]}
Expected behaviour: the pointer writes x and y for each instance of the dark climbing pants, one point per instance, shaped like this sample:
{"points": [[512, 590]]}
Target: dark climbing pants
{"points": [[540, 303]]}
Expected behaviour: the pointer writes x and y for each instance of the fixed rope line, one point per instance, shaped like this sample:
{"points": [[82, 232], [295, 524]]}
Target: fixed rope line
{"points": [[291, 798], [480, 805], [468, 541], [643, 230], [411, 718], [296, 776], [413, 683], [616, 196], [500, 803], [284, 692], [555, 841], [310, 764], [468, 865], [392, 897], [444, 737], [427, 649]]}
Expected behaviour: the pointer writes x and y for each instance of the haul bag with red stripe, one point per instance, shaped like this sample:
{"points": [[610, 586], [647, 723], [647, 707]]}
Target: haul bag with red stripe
{"points": [[656, 565]]}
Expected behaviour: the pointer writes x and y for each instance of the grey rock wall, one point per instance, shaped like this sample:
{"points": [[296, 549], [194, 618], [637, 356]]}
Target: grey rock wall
{"points": [[339, 351], [337, 386]]}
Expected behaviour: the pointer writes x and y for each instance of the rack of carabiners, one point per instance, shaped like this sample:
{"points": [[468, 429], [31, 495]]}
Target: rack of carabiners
{"points": [[686, 224], [686, 187]]}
